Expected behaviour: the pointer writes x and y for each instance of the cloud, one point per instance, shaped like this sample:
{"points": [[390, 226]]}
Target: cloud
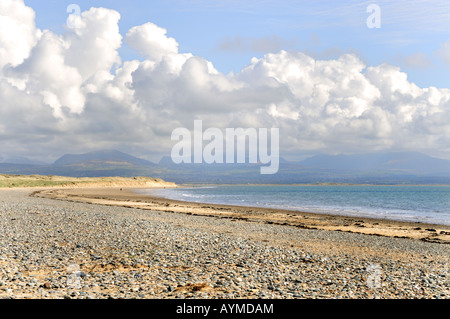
{"points": [[444, 52], [272, 43], [58, 67], [93, 41], [18, 33], [416, 60], [73, 93], [45, 72], [151, 41]]}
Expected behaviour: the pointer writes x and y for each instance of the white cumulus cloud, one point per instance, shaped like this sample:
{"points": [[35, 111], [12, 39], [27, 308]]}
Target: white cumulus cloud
{"points": [[151, 41], [18, 33]]}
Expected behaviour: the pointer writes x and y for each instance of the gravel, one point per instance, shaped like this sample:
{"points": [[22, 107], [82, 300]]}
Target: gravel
{"points": [[52, 249]]}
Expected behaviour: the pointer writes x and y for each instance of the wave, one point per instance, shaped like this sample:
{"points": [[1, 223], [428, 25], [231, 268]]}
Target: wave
{"points": [[405, 204]]}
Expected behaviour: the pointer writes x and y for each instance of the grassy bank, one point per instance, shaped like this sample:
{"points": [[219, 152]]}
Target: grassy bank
{"points": [[16, 181]]}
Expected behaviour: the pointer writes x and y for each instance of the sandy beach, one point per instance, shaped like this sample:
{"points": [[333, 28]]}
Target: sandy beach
{"points": [[110, 242], [129, 197]]}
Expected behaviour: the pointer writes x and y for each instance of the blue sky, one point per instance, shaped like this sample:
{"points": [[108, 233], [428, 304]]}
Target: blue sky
{"points": [[229, 33]]}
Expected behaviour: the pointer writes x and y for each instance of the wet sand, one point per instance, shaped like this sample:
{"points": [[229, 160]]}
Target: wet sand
{"points": [[128, 197]]}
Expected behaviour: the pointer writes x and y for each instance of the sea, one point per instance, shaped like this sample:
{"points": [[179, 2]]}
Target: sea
{"points": [[425, 204]]}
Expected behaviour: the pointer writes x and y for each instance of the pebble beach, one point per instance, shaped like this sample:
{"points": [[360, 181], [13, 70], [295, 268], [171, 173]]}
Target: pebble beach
{"points": [[59, 249]]}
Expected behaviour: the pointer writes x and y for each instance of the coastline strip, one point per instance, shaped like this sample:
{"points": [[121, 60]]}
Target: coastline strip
{"points": [[126, 197]]}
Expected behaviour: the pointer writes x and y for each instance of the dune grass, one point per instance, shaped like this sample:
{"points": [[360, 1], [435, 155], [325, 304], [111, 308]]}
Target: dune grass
{"points": [[17, 181]]}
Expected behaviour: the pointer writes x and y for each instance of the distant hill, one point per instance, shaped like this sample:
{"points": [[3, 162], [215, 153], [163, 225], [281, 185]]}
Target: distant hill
{"points": [[411, 162], [105, 157], [380, 168], [18, 160]]}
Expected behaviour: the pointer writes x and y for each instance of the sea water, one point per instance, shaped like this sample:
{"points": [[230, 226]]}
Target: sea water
{"points": [[426, 204]]}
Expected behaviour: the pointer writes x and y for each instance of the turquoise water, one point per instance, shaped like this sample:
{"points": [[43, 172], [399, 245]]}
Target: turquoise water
{"points": [[429, 204]]}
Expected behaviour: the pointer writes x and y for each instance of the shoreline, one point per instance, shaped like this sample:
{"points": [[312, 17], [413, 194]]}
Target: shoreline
{"points": [[358, 215], [127, 197], [308, 184]]}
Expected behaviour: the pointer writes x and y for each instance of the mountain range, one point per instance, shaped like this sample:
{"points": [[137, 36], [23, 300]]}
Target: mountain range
{"points": [[412, 162], [101, 158], [376, 168]]}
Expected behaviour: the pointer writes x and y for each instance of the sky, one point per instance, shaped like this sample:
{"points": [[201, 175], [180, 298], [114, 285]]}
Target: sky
{"points": [[229, 33], [78, 76]]}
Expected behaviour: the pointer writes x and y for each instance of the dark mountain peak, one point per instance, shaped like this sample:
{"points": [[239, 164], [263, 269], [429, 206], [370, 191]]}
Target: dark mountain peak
{"points": [[166, 160]]}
